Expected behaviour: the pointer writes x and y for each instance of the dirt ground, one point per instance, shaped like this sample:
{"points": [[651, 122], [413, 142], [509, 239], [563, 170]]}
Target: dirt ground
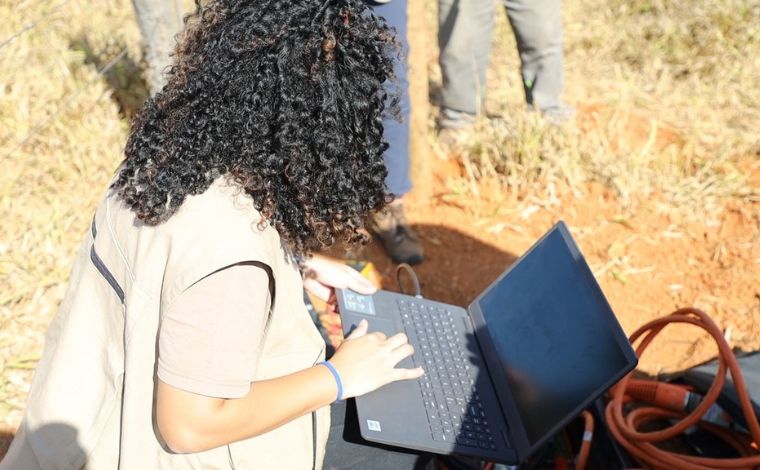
{"points": [[649, 262], [649, 257]]}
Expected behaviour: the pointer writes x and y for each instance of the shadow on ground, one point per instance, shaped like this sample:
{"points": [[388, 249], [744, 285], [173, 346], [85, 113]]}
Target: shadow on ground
{"points": [[456, 266], [6, 437], [124, 77]]}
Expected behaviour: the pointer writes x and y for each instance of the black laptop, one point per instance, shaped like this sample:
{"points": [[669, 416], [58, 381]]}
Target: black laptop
{"points": [[502, 376]]}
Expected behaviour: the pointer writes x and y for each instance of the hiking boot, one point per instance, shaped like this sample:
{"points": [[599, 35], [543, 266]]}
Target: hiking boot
{"points": [[400, 242], [453, 119]]}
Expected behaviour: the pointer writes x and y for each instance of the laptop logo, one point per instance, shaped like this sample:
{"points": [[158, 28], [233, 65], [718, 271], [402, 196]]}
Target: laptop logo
{"points": [[373, 425]]}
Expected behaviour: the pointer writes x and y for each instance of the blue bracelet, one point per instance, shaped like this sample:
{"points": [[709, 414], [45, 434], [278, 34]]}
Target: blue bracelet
{"points": [[335, 374]]}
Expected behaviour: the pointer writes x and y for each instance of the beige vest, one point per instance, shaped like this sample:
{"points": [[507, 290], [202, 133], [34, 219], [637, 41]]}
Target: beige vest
{"points": [[91, 404]]}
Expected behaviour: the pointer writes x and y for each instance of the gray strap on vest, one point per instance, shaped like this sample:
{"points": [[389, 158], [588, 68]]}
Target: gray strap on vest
{"points": [[101, 267]]}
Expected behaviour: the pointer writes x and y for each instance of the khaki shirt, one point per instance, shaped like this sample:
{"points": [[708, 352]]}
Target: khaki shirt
{"points": [[211, 337], [91, 404]]}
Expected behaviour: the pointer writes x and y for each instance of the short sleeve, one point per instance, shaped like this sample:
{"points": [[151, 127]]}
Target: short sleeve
{"points": [[211, 335]]}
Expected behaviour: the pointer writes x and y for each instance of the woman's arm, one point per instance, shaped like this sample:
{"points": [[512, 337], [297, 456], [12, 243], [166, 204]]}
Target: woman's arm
{"points": [[190, 422]]}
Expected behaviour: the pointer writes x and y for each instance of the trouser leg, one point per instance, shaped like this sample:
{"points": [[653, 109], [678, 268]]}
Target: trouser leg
{"points": [[160, 21], [537, 25], [397, 133], [464, 37]]}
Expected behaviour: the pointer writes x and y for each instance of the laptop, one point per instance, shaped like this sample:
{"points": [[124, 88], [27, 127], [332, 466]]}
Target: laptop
{"points": [[505, 374]]}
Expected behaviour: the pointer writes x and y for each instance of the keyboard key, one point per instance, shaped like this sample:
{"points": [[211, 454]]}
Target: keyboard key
{"points": [[470, 443], [441, 437]]}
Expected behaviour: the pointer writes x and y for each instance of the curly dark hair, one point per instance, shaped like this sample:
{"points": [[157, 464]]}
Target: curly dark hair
{"points": [[284, 96]]}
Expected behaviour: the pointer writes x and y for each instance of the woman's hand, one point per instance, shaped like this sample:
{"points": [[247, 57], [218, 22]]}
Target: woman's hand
{"points": [[324, 275], [366, 362]]}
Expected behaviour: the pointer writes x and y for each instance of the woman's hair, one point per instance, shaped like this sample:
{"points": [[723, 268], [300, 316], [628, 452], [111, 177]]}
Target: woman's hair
{"points": [[284, 96]]}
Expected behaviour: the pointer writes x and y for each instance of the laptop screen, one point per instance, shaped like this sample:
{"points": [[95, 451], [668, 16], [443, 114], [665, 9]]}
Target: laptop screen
{"points": [[552, 330]]}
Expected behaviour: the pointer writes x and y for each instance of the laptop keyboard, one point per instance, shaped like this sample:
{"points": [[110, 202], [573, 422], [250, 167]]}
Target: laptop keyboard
{"points": [[454, 410]]}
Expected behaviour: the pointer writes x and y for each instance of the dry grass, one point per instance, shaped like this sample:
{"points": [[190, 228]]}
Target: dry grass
{"points": [[61, 136], [666, 97], [681, 74]]}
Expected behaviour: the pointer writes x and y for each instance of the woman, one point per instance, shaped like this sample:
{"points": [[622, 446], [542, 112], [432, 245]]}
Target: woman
{"points": [[183, 341]]}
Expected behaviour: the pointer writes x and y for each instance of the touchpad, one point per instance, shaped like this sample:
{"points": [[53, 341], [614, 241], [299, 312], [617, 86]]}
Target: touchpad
{"points": [[384, 326], [375, 324]]}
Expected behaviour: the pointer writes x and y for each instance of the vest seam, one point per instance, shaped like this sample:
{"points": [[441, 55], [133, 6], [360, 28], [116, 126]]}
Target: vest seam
{"points": [[229, 457], [314, 422], [119, 249]]}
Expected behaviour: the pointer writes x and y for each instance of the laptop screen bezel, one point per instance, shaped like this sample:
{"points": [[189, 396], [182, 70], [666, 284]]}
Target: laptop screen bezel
{"points": [[517, 430]]}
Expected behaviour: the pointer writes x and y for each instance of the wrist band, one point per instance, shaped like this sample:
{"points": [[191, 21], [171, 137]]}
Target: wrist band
{"points": [[335, 374]]}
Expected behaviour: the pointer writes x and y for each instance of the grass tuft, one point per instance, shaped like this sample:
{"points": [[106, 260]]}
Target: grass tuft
{"points": [[666, 98]]}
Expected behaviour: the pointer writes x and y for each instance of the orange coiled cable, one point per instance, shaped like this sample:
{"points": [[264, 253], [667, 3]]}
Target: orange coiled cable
{"points": [[640, 444], [588, 433]]}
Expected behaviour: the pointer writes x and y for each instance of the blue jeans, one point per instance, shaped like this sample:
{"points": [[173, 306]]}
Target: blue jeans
{"points": [[397, 133]]}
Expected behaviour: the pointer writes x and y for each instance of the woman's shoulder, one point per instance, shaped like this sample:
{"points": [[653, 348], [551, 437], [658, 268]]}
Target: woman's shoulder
{"points": [[217, 228], [222, 216]]}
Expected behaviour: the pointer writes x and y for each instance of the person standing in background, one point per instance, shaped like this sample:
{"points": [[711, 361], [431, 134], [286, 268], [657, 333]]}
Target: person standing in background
{"points": [[464, 37], [160, 21], [390, 225]]}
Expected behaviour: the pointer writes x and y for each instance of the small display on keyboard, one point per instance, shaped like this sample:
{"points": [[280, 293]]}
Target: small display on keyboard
{"points": [[454, 410]]}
